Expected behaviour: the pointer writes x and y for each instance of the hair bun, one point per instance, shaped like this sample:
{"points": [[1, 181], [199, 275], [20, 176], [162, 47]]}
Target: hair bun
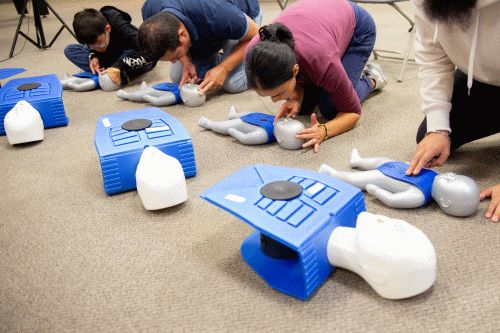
{"points": [[265, 34], [277, 33]]}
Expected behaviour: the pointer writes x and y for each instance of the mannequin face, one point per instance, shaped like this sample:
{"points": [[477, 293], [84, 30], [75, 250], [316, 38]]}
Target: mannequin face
{"points": [[282, 92], [183, 48]]}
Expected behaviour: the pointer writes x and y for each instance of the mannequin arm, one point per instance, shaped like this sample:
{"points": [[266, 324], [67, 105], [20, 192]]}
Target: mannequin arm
{"points": [[411, 198], [78, 83], [160, 98], [255, 137], [83, 85]]}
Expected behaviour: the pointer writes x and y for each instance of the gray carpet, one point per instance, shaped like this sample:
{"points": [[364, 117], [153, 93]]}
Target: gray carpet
{"points": [[75, 259]]}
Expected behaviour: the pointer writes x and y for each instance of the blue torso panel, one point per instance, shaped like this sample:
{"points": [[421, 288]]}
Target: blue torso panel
{"points": [[423, 180], [172, 87], [266, 121], [87, 75]]}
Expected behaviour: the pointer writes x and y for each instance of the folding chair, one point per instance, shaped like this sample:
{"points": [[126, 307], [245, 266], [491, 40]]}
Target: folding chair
{"points": [[406, 54], [282, 3]]}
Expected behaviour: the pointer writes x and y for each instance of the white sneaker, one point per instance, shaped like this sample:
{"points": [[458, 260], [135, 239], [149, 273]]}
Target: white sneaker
{"points": [[374, 71]]}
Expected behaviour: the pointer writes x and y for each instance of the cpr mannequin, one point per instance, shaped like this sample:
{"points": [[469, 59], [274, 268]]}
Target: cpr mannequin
{"points": [[87, 81], [256, 128], [162, 94], [384, 179]]}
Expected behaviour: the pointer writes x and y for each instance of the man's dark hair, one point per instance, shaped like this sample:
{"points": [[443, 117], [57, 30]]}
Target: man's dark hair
{"points": [[88, 25], [450, 11], [270, 63], [159, 34]]}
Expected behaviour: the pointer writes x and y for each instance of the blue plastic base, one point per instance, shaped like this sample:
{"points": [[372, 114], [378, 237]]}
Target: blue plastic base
{"points": [[120, 150], [46, 99], [303, 224], [8, 72]]}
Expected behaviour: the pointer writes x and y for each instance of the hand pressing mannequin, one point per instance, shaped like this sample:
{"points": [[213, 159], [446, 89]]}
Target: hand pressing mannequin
{"points": [[162, 94], [384, 179]]}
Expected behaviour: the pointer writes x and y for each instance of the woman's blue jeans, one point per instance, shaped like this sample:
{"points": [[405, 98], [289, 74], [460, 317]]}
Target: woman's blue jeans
{"points": [[353, 61]]}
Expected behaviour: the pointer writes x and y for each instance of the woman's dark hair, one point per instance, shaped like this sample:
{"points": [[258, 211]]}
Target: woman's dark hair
{"points": [[159, 34], [88, 24], [270, 63]]}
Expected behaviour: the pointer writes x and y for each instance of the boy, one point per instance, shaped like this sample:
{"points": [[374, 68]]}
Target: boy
{"points": [[108, 43]]}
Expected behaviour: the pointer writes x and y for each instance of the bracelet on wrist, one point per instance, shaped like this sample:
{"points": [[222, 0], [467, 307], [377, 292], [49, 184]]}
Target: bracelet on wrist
{"points": [[326, 137], [442, 132]]}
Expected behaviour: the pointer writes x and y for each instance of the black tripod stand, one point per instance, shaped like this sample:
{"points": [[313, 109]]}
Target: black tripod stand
{"points": [[40, 37]]}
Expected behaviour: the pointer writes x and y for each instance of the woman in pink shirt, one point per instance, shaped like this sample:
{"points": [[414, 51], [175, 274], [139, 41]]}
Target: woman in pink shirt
{"points": [[315, 53]]}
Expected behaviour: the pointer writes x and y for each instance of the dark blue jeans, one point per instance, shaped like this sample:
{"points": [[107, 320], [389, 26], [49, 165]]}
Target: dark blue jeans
{"points": [[354, 61]]}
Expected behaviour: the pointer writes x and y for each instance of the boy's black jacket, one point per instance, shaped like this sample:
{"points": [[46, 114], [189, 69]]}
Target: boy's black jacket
{"points": [[122, 52]]}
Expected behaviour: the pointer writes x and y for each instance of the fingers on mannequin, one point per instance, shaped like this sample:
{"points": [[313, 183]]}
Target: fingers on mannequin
{"points": [[285, 111], [413, 165], [205, 86], [419, 163]]}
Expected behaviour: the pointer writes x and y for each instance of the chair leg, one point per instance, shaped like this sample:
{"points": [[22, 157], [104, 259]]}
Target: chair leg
{"points": [[282, 3], [407, 53]]}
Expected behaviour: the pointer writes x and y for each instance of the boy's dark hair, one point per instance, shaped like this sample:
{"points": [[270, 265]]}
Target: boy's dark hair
{"points": [[270, 63], [88, 24], [159, 34]]}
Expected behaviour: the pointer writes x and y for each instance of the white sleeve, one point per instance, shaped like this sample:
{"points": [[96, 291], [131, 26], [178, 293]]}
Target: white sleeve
{"points": [[435, 73]]}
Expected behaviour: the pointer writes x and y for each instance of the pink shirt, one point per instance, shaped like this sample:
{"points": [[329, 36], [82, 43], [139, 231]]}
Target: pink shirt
{"points": [[322, 31]]}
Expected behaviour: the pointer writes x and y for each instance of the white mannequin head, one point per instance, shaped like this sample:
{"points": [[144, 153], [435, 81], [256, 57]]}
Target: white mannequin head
{"points": [[285, 130], [106, 83], [457, 195], [191, 96]]}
